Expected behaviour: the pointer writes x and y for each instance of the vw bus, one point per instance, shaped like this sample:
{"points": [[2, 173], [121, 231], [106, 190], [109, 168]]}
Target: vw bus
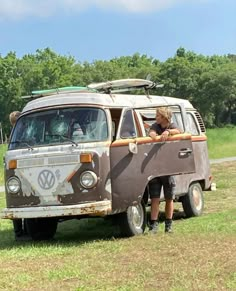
{"points": [[85, 152]]}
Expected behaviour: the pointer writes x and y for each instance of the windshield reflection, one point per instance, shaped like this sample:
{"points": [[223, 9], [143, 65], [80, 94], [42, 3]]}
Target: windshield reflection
{"points": [[57, 126]]}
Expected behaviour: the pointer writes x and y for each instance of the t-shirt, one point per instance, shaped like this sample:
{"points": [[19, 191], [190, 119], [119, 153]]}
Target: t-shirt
{"points": [[159, 130]]}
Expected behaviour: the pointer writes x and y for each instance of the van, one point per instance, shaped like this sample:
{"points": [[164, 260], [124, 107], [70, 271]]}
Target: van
{"points": [[85, 152]]}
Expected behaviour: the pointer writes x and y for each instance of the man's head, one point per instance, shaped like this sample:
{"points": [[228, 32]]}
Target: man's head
{"points": [[163, 113], [13, 117]]}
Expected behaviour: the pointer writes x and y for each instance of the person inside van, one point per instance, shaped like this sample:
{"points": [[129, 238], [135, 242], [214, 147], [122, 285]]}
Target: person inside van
{"points": [[13, 117], [165, 128], [128, 128], [127, 131], [18, 224]]}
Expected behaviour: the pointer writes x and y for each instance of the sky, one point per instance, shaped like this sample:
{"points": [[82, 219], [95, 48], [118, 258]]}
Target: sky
{"points": [[92, 30]]}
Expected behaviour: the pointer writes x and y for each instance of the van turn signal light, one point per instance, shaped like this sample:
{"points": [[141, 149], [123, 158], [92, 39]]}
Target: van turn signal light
{"points": [[86, 158], [12, 164]]}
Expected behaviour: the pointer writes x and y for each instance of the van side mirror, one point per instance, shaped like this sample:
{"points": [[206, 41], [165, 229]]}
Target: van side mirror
{"points": [[133, 148]]}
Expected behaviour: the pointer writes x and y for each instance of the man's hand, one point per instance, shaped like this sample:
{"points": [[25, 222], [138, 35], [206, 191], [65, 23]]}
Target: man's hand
{"points": [[165, 134], [152, 134]]}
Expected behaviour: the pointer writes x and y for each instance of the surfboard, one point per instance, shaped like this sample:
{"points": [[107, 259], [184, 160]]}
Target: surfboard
{"points": [[55, 91], [122, 84]]}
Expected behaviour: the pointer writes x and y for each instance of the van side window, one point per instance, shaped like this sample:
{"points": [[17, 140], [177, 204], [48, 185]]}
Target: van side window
{"points": [[115, 116], [147, 118], [177, 119], [128, 127], [191, 124]]}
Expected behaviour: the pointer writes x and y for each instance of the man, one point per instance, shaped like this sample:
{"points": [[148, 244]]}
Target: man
{"points": [[164, 128], [18, 224], [13, 117]]}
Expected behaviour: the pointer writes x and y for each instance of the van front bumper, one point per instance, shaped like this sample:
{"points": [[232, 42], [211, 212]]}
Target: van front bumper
{"points": [[100, 208]]}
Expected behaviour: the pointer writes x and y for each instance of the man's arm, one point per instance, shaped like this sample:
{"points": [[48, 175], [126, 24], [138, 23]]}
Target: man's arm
{"points": [[165, 134], [152, 133], [170, 131], [173, 131]]}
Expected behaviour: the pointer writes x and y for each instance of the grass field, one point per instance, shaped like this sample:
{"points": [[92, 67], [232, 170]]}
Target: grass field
{"points": [[90, 254], [221, 142]]}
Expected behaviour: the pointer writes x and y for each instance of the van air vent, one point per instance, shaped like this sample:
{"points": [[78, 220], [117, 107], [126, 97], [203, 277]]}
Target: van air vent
{"points": [[200, 121]]}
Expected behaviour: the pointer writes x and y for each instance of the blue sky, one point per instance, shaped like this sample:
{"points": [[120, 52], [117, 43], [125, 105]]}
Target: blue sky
{"points": [[104, 29]]}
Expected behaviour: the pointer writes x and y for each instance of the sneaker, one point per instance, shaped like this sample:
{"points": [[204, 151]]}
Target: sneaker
{"points": [[168, 226], [153, 227]]}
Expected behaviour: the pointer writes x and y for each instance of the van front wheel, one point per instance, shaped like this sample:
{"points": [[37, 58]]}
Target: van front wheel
{"points": [[133, 221], [193, 201], [41, 228]]}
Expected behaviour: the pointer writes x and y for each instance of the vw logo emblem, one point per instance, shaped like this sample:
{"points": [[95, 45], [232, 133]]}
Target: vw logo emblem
{"points": [[46, 179]]}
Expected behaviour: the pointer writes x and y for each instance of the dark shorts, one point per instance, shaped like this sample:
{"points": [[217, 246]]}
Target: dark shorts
{"points": [[168, 183]]}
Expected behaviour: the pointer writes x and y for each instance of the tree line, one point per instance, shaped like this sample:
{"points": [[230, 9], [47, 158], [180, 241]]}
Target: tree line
{"points": [[208, 82]]}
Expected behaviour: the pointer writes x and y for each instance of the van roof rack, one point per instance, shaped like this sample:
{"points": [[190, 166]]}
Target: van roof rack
{"points": [[124, 85], [109, 87], [56, 91]]}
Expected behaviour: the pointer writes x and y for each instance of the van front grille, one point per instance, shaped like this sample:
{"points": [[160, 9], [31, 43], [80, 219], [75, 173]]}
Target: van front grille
{"points": [[57, 160], [28, 163], [63, 160]]}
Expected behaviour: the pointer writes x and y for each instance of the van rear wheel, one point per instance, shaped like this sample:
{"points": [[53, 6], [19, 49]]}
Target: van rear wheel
{"points": [[133, 221], [193, 201], [41, 228]]}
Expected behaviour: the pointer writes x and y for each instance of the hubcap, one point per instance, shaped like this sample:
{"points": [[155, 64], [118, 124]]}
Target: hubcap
{"points": [[136, 216], [197, 198]]}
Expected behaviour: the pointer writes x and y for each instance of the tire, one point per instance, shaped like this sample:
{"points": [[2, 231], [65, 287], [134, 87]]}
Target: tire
{"points": [[41, 228], [133, 221], [193, 201]]}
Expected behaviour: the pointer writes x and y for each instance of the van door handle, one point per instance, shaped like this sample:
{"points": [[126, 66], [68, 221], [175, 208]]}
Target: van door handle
{"points": [[185, 152]]}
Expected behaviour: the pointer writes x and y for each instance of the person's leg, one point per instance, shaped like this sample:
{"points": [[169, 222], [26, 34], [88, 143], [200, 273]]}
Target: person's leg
{"points": [[153, 225], [155, 208], [18, 229], [155, 190], [24, 227], [169, 208], [168, 185]]}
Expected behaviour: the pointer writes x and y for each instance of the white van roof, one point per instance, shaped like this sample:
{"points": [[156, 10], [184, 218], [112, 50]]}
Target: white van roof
{"points": [[104, 100]]}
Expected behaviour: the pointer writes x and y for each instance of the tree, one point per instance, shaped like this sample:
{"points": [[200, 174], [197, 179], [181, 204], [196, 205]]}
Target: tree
{"points": [[209, 82], [10, 88], [218, 93], [46, 70]]}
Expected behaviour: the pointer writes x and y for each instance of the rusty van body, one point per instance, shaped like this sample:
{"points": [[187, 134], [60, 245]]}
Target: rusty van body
{"points": [[86, 153]]}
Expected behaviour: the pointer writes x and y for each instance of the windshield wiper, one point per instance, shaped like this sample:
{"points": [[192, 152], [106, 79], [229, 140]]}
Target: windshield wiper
{"points": [[22, 142], [69, 139], [64, 138]]}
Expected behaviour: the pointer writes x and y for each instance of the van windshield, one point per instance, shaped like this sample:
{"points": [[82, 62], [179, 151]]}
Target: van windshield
{"points": [[59, 126]]}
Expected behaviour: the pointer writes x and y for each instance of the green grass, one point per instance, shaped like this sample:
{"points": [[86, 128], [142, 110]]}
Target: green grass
{"points": [[221, 142], [91, 254]]}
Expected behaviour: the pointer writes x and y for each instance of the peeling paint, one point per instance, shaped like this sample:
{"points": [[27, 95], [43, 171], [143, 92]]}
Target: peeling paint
{"points": [[100, 208]]}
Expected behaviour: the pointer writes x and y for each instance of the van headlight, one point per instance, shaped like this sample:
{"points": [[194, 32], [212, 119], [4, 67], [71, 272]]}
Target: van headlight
{"points": [[88, 179], [13, 185]]}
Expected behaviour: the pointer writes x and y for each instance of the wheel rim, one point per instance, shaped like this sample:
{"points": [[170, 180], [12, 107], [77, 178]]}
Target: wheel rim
{"points": [[197, 198], [136, 215]]}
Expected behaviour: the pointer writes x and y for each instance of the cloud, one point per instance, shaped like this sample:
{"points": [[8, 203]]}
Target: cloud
{"points": [[17, 9]]}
